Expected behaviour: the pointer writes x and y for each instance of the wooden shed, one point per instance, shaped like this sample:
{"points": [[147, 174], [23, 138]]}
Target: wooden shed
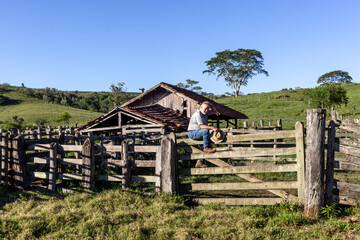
{"points": [[164, 107]]}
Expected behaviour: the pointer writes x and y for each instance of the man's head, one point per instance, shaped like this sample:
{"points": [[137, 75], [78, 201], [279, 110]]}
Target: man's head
{"points": [[205, 107]]}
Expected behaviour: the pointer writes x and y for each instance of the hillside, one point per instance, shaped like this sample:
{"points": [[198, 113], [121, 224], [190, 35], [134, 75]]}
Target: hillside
{"points": [[31, 109], [287, 105]]}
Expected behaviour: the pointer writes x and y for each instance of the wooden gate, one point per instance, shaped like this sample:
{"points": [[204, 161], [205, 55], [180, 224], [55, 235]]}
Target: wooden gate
{"points": [[246, 154]]}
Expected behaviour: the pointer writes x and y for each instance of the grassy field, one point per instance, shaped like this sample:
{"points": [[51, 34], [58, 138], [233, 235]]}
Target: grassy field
{"points": [[287, 105], [118, 214], [31, 109]]}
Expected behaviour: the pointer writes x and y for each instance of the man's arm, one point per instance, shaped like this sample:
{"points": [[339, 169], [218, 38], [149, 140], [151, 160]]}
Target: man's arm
{"points": [[208, 127]]}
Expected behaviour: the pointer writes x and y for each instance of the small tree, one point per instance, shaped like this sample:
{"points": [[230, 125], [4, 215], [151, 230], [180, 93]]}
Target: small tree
{"points": [[190, 85], [326, 96], [337, 76], [116, 93], [236, 67], [64, 117]]}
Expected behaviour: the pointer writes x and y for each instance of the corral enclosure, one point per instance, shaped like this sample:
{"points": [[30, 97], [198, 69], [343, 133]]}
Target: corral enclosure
{"points": [[251, 167]]}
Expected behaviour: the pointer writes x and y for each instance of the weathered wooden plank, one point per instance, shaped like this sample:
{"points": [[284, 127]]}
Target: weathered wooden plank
{"points": [[38, 147], [300, 159], [64, 161], [71, 148], [246, 137], [314, 184], [353, 159], [350, 127], [61, 176], [143, 163], [29, 143], [239, 186], [330, 163], [143, 178], [349, 166], [245, 152], [240, 201], [348, 142], [4, 178], [349, 190], [349, 150], [109, 148], [52, 166], [146, 149], [19, 163], [110, 178], [126, 169], [249, 177], [238, 170], [88, 166]]}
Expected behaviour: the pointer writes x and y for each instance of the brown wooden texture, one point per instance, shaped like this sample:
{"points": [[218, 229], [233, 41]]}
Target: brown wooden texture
{"points": [[126, 170], [314, 175], [19, 167], [240, 201], [249, 177], [88, 167], [300, 160], [330, 164], [240, 186], [53, 166], [168, 164], [4, 158]]}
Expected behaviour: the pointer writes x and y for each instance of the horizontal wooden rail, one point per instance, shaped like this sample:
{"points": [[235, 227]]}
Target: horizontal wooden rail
{"points": [[246, 152], [111, 178], [238, 170], [240, 186], [240, 201]]}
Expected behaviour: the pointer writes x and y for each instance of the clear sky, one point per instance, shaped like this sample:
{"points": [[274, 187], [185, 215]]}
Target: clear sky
{"points": [[87, 45]]}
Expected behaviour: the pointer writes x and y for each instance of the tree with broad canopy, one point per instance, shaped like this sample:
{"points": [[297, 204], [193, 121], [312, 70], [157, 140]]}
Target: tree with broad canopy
{"points": [[337, 76], [236, 67]]}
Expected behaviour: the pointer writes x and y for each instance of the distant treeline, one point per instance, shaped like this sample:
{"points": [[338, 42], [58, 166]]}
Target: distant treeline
{"points": [[93, 101]]}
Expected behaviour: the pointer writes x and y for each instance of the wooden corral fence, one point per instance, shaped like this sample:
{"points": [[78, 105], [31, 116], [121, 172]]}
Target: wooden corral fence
{"points": [[245, 153], [85, 159], [345, 139]]}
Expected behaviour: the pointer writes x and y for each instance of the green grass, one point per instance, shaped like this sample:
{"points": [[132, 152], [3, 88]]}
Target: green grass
{"points": [[287, 105], [118, 214], [30, 109]]}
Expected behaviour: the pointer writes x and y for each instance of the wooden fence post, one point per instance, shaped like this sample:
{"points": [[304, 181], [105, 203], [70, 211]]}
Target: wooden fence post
{"points": [[88, 166], [314, 176], [168, 173], [126, 170], [300, 160], [20, 174], [53, 166], [330, 163]]}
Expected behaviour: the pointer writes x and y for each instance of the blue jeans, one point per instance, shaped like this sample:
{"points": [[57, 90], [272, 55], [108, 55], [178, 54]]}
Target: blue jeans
{"points": [[201, 134]]}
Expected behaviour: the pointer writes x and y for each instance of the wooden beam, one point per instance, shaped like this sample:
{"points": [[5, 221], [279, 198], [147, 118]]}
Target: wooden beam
{"points": [[240, 201], [246, 152], [237, 170], [239, 186]]}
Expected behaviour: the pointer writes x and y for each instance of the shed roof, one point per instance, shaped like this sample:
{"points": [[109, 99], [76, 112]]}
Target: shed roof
{"points": [[223, 110]]}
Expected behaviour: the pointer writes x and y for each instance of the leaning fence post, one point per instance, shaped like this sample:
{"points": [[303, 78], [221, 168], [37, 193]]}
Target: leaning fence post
{"points": [[314, 165], [53, 166], [126, 170], [19, 167], [88, 169], [330, 163]]}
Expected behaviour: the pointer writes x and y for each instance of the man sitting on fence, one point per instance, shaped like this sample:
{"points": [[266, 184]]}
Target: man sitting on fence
{"points": [[199, 128]]}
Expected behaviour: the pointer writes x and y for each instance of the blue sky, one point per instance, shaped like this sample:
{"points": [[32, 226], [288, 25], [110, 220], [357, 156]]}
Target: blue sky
{"points": [[88, 45]]}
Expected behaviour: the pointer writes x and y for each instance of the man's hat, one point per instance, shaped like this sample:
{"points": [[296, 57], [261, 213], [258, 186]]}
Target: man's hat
{"points": [[217, 136]]}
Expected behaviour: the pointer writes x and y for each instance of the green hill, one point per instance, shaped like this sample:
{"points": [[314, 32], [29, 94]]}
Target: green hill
{"points": [[30, 109], [287, 105]]}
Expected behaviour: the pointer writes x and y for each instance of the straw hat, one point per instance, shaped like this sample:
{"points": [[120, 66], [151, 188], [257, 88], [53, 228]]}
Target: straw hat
{"points": [[217, 136]]}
